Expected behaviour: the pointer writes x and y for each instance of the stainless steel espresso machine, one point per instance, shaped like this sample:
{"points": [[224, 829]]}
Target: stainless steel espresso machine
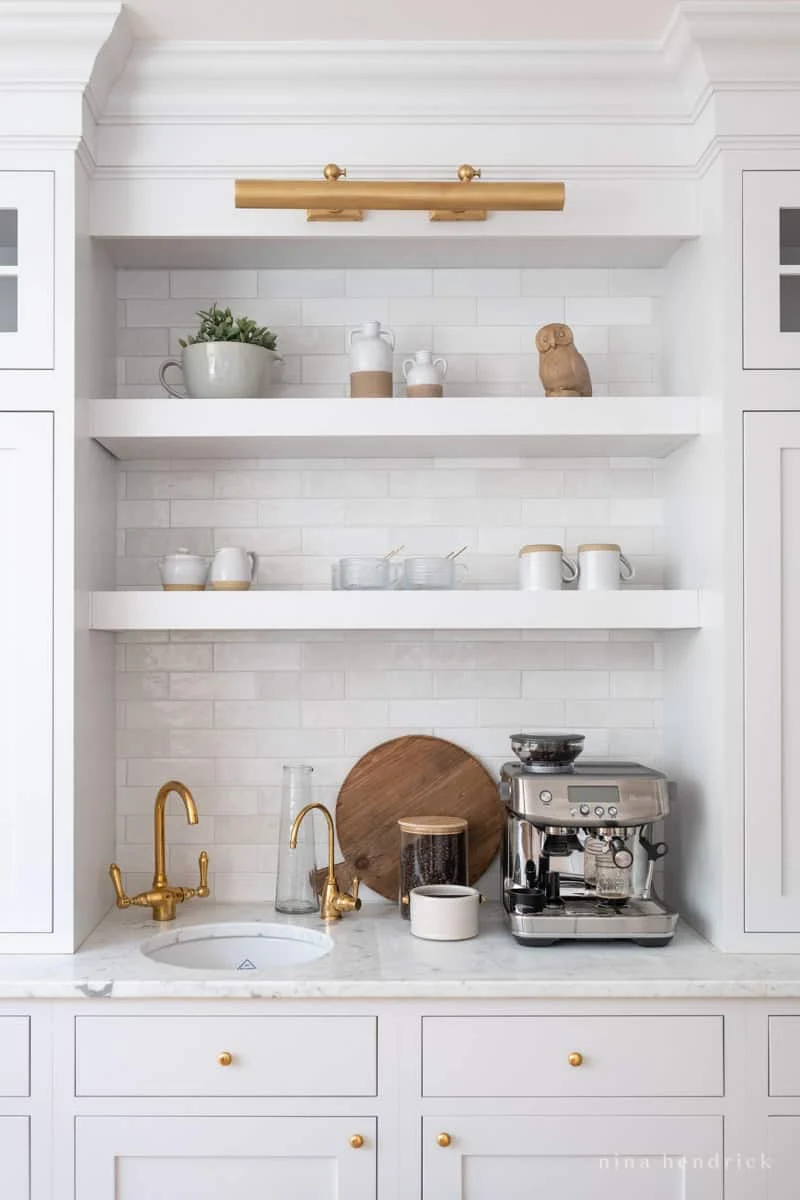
{"points": [[578, 852]]}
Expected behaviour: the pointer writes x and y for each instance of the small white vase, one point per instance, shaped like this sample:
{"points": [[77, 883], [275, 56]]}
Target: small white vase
{"points": [[424, 374], [370, 360], [223, 370]]}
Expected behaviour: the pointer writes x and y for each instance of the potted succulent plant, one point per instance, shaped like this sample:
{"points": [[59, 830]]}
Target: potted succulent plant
{"points": [[227, 356]]}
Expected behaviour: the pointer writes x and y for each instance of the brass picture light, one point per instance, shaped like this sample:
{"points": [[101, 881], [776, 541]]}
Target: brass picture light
{"points": [[336, 198]]}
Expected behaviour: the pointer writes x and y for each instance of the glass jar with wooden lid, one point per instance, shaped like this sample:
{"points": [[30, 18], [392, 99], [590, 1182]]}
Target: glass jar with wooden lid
{"points": [[433, 849]]}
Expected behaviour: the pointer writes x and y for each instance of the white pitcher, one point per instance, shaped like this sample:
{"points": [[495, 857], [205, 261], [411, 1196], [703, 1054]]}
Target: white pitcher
{"points": [[232, 570], [370, 360], [424, 374]]}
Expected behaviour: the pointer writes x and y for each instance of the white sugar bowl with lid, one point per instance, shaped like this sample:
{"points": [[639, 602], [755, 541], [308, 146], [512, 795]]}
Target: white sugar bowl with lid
{"points": [[183, 572], [424, 374], [545, 568]]}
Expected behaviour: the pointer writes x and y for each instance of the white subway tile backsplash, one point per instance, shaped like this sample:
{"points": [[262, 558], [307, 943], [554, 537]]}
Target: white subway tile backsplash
{"points": [[225, 710], [477, 281], [210, 286]]}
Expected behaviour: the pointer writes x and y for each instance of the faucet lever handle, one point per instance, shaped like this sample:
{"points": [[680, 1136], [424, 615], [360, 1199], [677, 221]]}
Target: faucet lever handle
{"points": [[203, 889], [123, 900], [354, 893]]}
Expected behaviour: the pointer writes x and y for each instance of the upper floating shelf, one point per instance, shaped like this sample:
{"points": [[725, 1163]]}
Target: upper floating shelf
{"points": [[456, 426]]}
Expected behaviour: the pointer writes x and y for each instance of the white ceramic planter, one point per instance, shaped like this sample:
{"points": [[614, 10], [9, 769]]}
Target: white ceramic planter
{"points": [[223, 371]]}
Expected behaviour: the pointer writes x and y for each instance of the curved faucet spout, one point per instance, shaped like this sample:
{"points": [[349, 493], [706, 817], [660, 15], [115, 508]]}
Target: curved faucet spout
{"points": [[159, 841]]}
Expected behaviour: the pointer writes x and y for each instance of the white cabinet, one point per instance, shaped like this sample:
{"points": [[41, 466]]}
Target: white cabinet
{"points": [[26, 269], [15, 1158], [783, 1138], [26, 685], [772, 672], [235, 1157], [605, 1157], [771, 269]]}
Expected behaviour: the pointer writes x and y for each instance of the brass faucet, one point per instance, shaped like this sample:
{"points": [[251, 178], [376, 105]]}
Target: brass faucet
{"points": [[162, 898], [334, 902]]}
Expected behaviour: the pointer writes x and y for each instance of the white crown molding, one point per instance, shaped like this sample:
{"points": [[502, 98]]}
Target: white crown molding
{"points": [[53, 54]]}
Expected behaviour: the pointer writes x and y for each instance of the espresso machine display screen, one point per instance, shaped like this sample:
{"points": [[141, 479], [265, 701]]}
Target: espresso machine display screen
{"points": [[593, 795]]}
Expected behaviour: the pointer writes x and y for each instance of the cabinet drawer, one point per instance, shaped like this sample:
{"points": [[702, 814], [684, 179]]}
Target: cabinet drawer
{"points": [[183, 1056], [530, 1056], [15, 1056], [784, 1056]]}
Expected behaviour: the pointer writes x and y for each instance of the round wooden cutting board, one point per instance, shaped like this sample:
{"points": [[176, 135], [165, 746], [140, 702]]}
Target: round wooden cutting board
{"points": [[413, 776]]}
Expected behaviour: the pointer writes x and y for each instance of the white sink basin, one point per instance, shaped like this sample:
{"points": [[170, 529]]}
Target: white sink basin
{"points": [[237, 947]]}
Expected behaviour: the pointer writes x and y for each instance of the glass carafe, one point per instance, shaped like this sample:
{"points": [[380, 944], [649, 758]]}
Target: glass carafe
{"points": [[294, 889]]}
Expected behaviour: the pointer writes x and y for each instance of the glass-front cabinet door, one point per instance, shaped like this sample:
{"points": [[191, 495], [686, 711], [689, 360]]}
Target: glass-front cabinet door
{"points": [[26, 270]]}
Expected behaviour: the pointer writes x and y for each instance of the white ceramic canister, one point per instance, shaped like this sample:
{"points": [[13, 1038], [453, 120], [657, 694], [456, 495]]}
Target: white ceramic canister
{"points": [[444, 912], [424, 374], [223, 370], [183, 572], [545, 568], [370, 349], [602, 567], [232, 570]]}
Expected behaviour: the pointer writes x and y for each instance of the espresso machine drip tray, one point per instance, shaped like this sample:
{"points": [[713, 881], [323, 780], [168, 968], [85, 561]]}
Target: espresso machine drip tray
{"points": [[646, 922]]}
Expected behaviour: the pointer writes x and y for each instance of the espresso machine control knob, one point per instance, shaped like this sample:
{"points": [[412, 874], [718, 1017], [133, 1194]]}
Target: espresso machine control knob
{"points": [[585, 810], [505, 791], [545, 796], [622, 856]]}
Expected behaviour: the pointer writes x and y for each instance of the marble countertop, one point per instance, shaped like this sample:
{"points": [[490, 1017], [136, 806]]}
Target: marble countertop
{"points": [[375, 957]]}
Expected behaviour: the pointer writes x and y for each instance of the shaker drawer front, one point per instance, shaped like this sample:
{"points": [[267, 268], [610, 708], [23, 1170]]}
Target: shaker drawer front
{"points": [[572, 1056], [15, 1056], [784, 1056], [225, 1056]]}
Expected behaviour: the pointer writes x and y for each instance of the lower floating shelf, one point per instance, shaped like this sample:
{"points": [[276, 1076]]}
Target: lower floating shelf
{"points": [[267, 610]]}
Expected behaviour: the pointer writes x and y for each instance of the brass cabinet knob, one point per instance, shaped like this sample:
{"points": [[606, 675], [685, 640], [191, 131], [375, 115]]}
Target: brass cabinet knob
{"points": [[225, 1058], [356, 1141], [575, 1059], [443, 1140]]}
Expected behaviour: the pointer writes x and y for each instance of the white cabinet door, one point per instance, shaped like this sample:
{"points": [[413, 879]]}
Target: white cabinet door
{"points": [[783, 1138], [26, 684], [771, 269], [772, 672], [26, 269], [602, 1157], [231, 1157], [14, 1158]]}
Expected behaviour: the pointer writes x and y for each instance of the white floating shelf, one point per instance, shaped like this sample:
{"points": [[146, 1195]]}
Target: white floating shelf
{"points": [[456, 426], [634, 609]]}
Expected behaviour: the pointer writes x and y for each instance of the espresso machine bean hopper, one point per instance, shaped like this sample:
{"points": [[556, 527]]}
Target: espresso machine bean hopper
{"points": [[579, 854]]}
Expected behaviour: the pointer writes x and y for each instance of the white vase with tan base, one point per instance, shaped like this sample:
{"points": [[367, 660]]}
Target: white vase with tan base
{"points": [[424, 374], [370, 349]]}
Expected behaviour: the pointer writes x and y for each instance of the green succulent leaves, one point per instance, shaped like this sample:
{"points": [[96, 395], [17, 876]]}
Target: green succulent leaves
{"points": [[220, 325]]}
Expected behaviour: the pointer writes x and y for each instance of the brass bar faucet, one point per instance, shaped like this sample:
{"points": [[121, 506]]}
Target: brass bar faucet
{"points": [[162, 898], [333, 902]]}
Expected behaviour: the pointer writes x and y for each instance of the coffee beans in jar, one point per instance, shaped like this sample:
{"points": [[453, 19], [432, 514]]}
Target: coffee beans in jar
{"points": [[432, 850]]}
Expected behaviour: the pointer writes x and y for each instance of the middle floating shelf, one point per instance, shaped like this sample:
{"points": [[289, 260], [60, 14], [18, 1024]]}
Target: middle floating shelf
{"points": [[457, 426], [301, 610]]}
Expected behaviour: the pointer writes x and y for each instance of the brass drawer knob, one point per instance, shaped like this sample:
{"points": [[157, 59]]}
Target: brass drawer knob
{"points": [[575, 1059], [356, 1141], [225, 1058], [443, 1140]]}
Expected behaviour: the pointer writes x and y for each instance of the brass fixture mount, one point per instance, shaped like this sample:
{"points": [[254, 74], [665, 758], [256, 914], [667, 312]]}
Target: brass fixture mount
{"points": [[333, 902], [162, 898], [444, 201]]}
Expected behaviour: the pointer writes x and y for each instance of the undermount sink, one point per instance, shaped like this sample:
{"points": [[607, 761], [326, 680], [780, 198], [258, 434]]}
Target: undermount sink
{"points": [[237, 947]]}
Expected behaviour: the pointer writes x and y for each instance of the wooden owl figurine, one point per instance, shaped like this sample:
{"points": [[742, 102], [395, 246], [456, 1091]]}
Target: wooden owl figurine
{"points": [[562, 368]]}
